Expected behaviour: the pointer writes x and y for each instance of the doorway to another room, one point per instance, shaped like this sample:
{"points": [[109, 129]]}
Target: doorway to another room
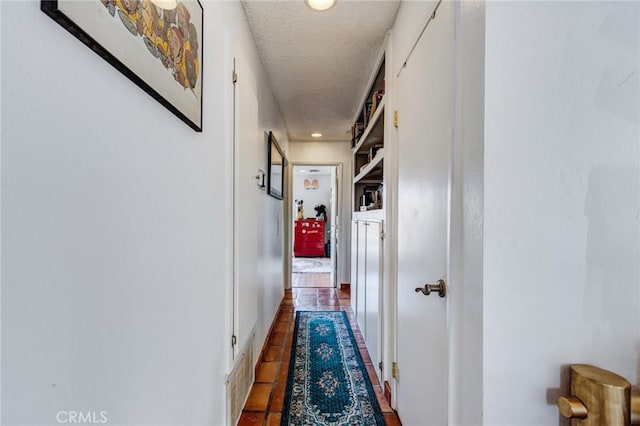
{"points": [[314, 210]]}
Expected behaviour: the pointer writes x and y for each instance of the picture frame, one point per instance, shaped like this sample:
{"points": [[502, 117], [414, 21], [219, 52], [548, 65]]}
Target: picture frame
{"points": [[160, 50], [276, 162]]}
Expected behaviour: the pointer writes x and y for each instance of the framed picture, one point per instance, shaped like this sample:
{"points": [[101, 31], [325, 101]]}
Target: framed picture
{"points": [[311, 184], [157, 44], [275, 168]]}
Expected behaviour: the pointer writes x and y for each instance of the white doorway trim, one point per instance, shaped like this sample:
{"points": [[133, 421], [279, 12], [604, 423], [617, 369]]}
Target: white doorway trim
{"points": [[337, 221]]}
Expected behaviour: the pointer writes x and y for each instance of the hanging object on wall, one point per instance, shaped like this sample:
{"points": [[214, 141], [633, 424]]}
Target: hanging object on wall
{"points": [[276, 162], [156, 44], [311, 184], [260, 178]]}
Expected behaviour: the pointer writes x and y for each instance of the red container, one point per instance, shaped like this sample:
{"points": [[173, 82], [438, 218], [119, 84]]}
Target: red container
{"points": [[309, 238]]}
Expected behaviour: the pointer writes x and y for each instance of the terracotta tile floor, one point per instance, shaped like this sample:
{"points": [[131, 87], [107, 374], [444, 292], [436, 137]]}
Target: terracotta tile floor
{"points": [[264, 405], [311, 280]]}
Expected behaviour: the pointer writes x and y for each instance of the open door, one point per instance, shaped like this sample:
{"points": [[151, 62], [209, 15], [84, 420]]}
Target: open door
{"points": [[333, 232]]}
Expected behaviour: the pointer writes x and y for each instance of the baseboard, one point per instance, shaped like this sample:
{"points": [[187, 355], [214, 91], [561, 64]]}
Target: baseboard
{"points": [[265, 344]]}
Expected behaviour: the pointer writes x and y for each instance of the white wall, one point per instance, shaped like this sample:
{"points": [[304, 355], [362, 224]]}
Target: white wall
{"points": [[332, 153], [466, 256], [562, 181], [312, 197], [115, 223]]}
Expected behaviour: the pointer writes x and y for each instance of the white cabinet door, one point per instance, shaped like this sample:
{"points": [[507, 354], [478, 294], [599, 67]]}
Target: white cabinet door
{"points": [[361, 305], [354, 266], [372, 292], [366, 280]]}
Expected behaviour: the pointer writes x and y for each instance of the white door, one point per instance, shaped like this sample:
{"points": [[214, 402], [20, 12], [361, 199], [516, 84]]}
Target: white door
{"points": [[333, 236], [425, 105], [248, 140]]}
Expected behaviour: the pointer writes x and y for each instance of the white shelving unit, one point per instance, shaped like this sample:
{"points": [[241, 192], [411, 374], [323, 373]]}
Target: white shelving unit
{"points": [[374, 177], [368, 148], [368, 222]]}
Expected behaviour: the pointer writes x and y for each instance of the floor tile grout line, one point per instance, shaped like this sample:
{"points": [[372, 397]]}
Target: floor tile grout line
{"points": [[289, 307]]}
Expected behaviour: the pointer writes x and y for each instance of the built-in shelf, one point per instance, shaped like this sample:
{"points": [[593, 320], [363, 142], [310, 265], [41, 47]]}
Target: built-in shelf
{"points": [[368, 149], [370, 174], [374, 132], [373, 170]]}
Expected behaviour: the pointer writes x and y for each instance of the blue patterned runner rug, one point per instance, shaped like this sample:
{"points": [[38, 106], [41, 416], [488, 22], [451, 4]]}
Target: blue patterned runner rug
{"points": [[328, 383]]}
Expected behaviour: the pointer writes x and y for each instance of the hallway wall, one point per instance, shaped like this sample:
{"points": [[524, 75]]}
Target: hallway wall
{"points": [[116, 230], [332, 152], [562, 184]]}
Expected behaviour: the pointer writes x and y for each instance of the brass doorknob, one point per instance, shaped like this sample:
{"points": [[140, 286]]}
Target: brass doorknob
{"points": [[571, 407], [599, 398], [440, 287], [635, 405]]}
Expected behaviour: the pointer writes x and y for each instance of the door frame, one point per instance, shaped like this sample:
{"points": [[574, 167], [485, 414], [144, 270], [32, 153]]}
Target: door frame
{"points": [[288, 249]]}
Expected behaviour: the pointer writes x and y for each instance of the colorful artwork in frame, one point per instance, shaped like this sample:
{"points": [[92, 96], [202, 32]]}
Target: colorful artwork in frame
{"points": [[155, 43]]}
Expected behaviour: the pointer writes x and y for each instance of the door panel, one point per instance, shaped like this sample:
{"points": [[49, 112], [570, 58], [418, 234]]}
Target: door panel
{"points": [[247, 143], [372, 292], [425, 107], [354, 266], [361, 305], [333, 235]]}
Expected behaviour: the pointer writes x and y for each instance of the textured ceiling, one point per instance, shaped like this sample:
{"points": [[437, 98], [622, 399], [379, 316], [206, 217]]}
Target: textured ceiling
{"points": [[319, 63]]}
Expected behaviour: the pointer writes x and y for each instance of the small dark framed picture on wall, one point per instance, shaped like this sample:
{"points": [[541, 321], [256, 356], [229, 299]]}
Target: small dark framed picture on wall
{"points": [[276, 162]]}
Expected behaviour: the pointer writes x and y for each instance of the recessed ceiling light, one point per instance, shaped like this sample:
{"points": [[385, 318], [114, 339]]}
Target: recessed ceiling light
{"points": [[320, 4], [303, 171], [316, 135]]}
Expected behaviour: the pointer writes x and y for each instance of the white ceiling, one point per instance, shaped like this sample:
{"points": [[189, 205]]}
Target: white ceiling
{"points": [[319, 63], [313, 170]]}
